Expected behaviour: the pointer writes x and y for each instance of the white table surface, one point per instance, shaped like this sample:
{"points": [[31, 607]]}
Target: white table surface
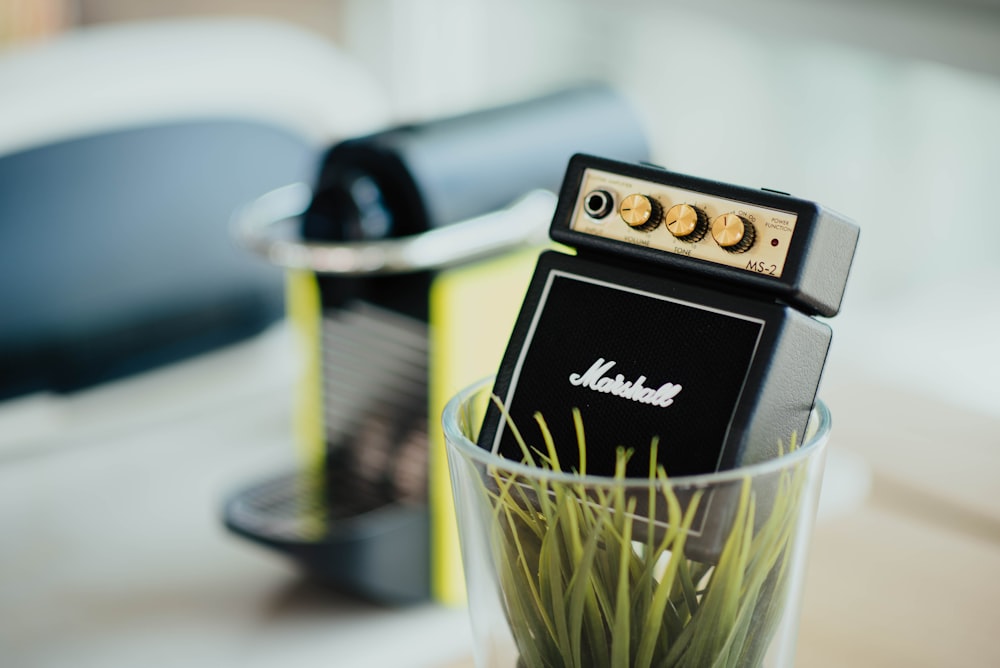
{"points": [[112, 552]]}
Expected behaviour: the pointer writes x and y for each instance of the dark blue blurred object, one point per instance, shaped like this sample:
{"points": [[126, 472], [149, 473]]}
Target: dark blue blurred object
{"points": [[115, 253]]}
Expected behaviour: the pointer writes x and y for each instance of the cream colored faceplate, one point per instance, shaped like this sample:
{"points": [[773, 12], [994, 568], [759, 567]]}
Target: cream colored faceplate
{"points": [[767, 255]]}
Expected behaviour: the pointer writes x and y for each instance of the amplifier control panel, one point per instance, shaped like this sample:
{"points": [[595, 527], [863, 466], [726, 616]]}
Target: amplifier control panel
{"points": [[674, 219]]}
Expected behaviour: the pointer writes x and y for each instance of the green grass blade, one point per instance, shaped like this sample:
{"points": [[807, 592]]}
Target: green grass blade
{"points": [[581, 441], [579, 592], [528, 575], [657, 610], [521, 443], [621, 634], [550, 445]]}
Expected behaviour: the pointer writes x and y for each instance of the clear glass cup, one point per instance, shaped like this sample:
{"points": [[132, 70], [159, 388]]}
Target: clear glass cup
{"points": [[564, 569]]}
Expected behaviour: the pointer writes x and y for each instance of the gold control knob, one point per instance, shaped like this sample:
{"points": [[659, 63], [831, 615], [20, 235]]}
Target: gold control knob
{"points": [[640, 212], [686, 222], [733, 233]]}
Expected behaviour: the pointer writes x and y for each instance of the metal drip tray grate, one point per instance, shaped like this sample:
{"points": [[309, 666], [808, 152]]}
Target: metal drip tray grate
{"points": [[361, 522]]}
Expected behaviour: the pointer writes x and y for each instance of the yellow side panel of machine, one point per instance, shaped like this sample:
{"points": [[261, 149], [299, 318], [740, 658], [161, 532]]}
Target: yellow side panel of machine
{"points": [[472, 313]]}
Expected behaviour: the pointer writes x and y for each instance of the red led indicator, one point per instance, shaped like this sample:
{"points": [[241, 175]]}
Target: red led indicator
{"points": [[774, 242]]}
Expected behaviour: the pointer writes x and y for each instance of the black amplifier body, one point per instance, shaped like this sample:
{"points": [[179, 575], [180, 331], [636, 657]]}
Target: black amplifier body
{"points": [[686, 317]]}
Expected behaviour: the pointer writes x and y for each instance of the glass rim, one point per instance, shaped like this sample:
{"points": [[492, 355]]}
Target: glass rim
{"points": [[817, 430]]}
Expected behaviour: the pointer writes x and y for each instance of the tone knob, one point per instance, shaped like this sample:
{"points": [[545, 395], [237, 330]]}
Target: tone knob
{"points": [[641, 212], [686, 222], [733, 232]]}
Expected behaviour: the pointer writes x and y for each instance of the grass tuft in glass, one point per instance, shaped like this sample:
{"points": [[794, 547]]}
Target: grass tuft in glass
{"points": [[568, 569]]}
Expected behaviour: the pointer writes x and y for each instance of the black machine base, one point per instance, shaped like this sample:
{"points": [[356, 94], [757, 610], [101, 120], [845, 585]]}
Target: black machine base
{"points": [[375, 549]]}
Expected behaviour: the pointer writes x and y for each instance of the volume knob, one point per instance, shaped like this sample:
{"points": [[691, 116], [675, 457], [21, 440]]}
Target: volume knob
{"points": [[641, 212], [686, 222], [733, 233]]}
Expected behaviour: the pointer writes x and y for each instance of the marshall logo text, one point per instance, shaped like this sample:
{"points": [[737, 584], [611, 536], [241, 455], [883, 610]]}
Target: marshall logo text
{"points": [[595, 379]]}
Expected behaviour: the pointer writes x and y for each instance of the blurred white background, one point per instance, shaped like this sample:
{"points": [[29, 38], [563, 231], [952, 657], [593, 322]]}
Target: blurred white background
{"points": [[887, 111]]}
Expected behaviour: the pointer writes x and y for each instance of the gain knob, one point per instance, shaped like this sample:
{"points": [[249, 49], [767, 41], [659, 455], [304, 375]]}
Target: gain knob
{"points": [[733, 233], [640, 212], [686, 222]]}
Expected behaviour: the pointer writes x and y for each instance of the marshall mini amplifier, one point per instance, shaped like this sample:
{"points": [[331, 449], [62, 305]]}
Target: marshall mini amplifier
{"points": [[686, 316]]}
